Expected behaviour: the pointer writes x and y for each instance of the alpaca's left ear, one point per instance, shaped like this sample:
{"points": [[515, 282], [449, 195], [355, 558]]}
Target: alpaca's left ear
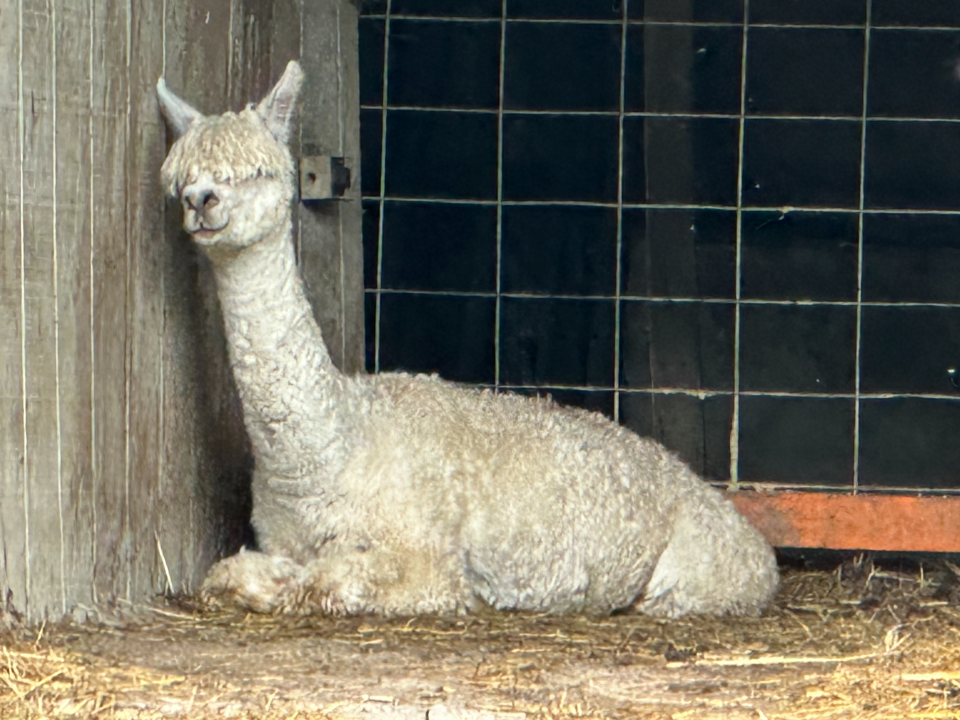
{"points": [[276, 108], [179, 114]]}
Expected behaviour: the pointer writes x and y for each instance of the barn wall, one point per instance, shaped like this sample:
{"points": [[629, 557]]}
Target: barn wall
{"points": [[123, 463]]}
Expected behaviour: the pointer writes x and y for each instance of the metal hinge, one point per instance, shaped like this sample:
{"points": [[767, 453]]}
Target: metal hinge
{"points": [[323, 177]]}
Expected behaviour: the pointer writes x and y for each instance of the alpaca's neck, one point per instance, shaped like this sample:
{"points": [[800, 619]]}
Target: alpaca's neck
{"points": [[286, 379]]}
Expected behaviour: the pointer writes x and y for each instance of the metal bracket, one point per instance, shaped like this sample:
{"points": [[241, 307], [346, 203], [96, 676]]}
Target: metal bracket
{"points": [[323, 177]]}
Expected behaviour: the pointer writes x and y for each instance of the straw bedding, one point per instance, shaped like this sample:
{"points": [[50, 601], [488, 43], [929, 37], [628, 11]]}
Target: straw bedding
{"points": [[861, 640]]}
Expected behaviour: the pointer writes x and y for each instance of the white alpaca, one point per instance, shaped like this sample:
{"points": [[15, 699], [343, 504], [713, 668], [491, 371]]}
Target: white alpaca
{"points": [[399, 494]]}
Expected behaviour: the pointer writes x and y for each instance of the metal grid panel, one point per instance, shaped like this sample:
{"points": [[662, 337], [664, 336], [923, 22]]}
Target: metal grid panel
{"points": [[852, 115]]}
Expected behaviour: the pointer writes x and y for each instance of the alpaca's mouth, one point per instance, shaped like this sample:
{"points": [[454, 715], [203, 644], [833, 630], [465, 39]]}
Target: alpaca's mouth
{"points": [[205, 235], [204, 232]]}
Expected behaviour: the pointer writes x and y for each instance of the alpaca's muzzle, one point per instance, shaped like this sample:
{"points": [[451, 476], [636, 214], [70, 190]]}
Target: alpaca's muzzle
{"points": [[202, 209]]}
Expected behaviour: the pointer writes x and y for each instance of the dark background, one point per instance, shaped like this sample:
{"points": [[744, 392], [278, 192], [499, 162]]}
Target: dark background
{"points": [[582, 197]]}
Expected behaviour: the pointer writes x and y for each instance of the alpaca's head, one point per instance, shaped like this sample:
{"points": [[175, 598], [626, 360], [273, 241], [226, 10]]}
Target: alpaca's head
{"points": [[233, 172]]}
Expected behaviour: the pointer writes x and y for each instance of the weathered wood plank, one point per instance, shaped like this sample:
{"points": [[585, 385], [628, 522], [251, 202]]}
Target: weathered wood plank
{"points": [[46, 595], [13, 566], [351, 239], [145, 228], [74, 214], [110, 290], [206, 60], [250, 35], [180, 493], [122, 434], [330, 233]]}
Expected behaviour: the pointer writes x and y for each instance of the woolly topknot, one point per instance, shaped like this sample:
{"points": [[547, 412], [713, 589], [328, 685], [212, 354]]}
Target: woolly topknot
{"points": [[233, 147]]}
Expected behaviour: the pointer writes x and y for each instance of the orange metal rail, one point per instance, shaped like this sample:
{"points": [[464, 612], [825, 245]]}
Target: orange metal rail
{"points": [[854, 522]]}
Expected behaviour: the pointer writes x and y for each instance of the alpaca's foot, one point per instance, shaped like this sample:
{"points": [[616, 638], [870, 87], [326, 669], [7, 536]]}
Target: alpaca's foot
{"points": [[252, 580], [270, 583], [377, 581], [347, 584]]}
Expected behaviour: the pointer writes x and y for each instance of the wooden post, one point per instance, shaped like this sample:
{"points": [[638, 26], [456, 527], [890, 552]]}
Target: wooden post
{"points": [[331, 252]]}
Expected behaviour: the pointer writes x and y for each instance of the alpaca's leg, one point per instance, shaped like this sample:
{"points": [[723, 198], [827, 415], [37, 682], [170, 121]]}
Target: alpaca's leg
{"points": [[376, 580], [252, 580]]}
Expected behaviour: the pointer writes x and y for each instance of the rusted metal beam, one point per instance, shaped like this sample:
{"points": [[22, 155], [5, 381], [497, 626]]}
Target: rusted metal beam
{"points": [[854, 522]]}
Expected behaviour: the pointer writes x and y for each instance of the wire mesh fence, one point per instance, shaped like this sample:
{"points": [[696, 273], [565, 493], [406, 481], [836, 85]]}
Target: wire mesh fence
{"points": [[734, 226]]}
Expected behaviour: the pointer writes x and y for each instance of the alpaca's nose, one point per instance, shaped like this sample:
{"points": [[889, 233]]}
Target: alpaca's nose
{"points": [[201, 199]]}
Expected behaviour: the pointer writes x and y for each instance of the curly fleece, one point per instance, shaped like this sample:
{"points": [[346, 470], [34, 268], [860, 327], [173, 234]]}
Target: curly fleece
{"points": [[402, 494]]}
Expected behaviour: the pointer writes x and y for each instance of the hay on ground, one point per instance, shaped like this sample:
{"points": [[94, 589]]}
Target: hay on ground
{"points": [[859, 642]]}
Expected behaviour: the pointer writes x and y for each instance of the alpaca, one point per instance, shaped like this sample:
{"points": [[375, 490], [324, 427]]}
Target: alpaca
{"points": [[400, 494]]}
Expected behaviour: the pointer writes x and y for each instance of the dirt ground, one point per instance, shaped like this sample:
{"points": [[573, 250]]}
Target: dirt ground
{"points": [[862, 640]]}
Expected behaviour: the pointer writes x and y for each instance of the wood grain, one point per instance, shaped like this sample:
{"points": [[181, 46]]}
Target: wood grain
{"points": [[330, 250], [124, 467], [111, 318], [144, 298], [44, 536], [74, 214], [13, 561]]}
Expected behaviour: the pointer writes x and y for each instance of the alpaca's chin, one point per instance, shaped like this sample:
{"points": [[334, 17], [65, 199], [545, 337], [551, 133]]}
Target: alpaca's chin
{"points": [[205, 236], [224, 241]]}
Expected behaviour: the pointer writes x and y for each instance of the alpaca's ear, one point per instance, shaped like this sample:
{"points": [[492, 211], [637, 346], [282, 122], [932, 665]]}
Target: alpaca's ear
{"points": [[179, 114], [276, 108]]}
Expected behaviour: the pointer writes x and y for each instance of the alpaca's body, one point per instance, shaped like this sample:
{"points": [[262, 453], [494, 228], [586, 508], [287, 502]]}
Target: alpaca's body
{"points": [[402, 494]]}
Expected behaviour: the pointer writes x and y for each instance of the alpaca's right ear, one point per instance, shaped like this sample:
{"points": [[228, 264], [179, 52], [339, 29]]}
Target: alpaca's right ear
{"points": [[179, 114], [276, 108]]}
